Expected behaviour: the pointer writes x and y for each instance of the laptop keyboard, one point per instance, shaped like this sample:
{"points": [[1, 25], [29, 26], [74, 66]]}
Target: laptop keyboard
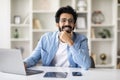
{"points": [[31, 72]]}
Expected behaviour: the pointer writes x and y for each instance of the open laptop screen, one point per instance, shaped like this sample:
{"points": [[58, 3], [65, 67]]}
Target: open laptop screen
{"points": [[11, 62]]}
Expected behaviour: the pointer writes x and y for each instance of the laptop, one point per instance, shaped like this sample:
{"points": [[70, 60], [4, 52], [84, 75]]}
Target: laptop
{"points": [[11, 62]]}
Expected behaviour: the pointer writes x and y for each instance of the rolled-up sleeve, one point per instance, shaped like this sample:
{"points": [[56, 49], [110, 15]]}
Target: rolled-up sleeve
{"points": [[35, 56], [81, 54]]}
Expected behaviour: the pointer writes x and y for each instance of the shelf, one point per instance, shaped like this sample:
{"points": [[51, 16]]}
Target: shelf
{"points": [[44, 30], [51, 30], [118, 19], [104, 66], [118, 30], [118, 57], [44, 11], [19, 39], [102, 25], [80, 30], [82, 12], [118, 5], [101, 39], [20, 25]]}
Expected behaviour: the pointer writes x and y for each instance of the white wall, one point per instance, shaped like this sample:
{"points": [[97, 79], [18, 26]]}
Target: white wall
{"points": [[4, 23]]}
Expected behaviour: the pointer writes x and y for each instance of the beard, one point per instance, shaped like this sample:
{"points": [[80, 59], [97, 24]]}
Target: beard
{"points": [[68, 29]]}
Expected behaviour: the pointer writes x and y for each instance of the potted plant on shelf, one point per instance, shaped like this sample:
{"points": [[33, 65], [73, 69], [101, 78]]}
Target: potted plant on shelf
{"points": [[105, 33]]}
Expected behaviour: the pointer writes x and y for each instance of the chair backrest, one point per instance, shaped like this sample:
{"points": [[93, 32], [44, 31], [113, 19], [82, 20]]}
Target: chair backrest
{"points": [[92, 62]]}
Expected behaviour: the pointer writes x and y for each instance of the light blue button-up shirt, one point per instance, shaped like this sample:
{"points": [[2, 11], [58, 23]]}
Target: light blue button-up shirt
{"points": [[78, 54]]}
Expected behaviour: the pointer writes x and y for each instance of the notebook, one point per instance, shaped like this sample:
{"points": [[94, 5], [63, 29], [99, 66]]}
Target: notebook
{"points": [[11, 62]]}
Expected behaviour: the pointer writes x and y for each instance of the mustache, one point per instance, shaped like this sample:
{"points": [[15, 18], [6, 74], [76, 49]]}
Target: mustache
{"points": [[63, 27], [66, 28]]}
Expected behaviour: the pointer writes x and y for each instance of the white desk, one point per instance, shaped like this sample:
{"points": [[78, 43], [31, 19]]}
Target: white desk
{"points": [[92, 74]]}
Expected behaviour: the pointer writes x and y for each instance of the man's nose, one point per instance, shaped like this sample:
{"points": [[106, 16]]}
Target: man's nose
{"points": [[67, 22]]}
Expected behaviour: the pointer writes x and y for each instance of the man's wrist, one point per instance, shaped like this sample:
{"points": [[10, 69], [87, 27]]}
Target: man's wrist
{"points": [[71, 43]]}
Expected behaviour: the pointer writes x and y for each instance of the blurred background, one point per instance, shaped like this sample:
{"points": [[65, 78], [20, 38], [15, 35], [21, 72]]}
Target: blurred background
{"points": [[22, 22]]}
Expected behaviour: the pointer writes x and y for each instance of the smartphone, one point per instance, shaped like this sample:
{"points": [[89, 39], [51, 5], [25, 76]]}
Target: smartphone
{"points": [[56, 74], [76, 74]]}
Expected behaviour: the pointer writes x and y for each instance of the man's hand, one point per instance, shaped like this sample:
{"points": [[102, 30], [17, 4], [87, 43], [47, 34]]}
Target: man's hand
{"points": [[25, 65], [66, 37]]}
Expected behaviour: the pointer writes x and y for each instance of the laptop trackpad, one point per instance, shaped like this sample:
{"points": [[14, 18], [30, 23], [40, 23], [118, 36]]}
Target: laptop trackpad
{"points": [[31, 71]]}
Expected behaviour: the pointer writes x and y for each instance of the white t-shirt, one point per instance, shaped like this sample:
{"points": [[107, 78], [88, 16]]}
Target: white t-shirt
{"points": [[61, 57]]}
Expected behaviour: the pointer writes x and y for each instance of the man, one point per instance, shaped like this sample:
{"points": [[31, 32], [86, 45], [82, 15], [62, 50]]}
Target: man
{"points": [[63, 48]]}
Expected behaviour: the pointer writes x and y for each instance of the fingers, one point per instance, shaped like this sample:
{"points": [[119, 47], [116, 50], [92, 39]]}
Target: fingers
{"points": [[66, 37], [25, 65]]}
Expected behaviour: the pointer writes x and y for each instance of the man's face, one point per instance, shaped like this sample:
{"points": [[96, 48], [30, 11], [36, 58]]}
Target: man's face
{"points": [[66, 22]]}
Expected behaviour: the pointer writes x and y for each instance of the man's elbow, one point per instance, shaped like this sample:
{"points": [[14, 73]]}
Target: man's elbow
{"points": [[87, 65]]}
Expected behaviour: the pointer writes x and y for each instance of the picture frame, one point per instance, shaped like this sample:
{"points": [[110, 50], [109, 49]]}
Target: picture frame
{"points": [[17, 19], [81, 24]]}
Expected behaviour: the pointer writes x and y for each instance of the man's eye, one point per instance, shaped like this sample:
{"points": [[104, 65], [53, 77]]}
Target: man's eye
{"points": [[63, 20], [70, 20]]}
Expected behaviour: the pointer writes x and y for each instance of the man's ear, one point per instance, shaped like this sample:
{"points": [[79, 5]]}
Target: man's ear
{"points": [[75, 25], [57, 24]]}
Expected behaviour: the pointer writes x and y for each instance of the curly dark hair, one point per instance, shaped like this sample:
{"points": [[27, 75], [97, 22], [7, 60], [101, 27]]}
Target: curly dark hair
{"points": [[66, 9]]}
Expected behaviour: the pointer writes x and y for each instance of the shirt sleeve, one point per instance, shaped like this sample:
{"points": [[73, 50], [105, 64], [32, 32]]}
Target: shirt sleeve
{"points": [[81, 54], [35, 56]]}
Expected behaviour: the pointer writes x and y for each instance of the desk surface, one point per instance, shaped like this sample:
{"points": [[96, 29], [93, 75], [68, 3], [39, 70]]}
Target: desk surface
{"points": [[91, 74]]}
